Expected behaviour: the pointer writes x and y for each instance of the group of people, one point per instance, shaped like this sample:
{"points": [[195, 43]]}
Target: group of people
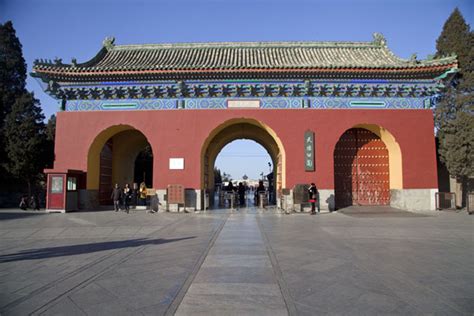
{"points": [[31, 202], [313, 194], [124, 198], [242, 189]]}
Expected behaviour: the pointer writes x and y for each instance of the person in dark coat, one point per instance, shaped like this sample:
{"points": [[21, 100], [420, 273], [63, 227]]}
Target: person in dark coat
{"points": [[34, 202], [230, 187], [241, 191], [116, 197], [127, 194], [260, 190], [313, 196]]}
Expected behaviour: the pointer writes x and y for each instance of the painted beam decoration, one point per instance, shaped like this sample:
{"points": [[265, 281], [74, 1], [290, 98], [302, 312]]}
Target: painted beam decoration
{"points": [[309, 163], [272, 95], [264, 103]]}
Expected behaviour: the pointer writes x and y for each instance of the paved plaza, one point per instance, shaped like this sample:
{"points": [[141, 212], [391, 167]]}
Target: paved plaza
{"points": [[361, 261]]}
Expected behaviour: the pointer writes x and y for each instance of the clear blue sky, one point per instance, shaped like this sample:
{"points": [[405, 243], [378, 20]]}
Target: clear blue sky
{"points": [[76, 28]]}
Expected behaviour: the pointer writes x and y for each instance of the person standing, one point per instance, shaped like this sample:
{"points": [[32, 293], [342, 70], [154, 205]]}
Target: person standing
{"points": [[127, 192], [134, 195], [313, 197], [142, 194], [241, 191], [259, 193], [116, 196]]}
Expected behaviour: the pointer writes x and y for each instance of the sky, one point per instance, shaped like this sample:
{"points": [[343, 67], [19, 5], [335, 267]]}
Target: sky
{"points": [[76, 28]]}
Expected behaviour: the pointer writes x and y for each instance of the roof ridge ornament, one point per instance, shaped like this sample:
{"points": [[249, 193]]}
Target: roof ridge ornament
{"points": [[379, 39], [109, 42]]}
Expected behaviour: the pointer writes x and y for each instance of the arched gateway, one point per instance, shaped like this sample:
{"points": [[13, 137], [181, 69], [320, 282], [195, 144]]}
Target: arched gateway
{"points": [[116, 156], [242, 128], [304, 102]]}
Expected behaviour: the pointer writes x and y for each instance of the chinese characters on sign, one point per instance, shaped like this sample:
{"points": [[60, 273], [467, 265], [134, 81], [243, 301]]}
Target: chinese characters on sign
{"points": [[309, 151]]}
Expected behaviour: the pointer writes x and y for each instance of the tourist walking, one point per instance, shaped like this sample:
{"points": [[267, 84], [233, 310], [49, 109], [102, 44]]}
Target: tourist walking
{"points": [[313, 197], [116, 196], [24, 203], [34, 202], [241, 191], [127, 193]]}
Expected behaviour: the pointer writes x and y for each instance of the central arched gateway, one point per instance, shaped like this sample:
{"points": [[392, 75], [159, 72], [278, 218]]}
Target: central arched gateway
{"points": [[242, 128]]}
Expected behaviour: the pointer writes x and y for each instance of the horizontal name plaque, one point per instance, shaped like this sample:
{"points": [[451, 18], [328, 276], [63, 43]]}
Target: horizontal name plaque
{"points": [[239, 104], [367, 104], [119, 105]]}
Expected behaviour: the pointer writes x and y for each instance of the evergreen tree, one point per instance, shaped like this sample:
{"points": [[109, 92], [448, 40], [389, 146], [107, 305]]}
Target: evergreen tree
{"points": [[217, 176], [48, 146], [25, 138], [453, 114], [12, 77], [51, 128]]}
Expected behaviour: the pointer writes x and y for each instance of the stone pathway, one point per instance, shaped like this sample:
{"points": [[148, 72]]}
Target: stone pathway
{"points": [[242, 262], [237, 277]]}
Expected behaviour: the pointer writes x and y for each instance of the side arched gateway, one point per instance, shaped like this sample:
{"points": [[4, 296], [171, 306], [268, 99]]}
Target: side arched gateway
{"points": [[119, 154], [367, 165]]}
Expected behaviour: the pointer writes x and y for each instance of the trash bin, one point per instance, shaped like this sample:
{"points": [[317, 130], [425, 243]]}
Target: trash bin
{"points": [[154, 203]]}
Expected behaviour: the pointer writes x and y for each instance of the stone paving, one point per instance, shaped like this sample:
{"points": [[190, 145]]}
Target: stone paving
{"points": [[247, 262], [237, 275]]}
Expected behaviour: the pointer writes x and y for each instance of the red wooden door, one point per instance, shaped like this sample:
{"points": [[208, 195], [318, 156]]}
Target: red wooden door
{"points": [[56, 192], [361, 169]]}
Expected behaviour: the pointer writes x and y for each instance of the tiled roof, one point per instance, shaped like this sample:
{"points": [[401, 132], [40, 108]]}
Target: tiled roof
{"points": [[242, 57]]}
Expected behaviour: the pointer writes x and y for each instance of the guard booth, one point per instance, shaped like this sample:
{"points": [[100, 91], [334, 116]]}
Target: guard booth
{"points": [[63, 190]]}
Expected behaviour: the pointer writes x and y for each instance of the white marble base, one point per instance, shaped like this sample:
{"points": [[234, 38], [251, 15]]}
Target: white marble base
{"points": [[413, 199], [55, 211]]}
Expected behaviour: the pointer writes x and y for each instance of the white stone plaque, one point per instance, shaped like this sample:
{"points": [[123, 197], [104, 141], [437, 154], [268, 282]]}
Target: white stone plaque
{"points": [[176, 163], [238, 104]]}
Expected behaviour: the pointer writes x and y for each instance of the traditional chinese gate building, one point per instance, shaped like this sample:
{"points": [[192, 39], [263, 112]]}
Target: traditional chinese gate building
{"points": [[367, 111]]}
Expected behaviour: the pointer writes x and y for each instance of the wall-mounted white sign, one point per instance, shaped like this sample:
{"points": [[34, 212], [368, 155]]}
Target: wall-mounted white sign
{"points": [[238, 104], [176, 163]]}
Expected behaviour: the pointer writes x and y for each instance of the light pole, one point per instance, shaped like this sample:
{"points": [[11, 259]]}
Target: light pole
{"points": [[269, 167]]}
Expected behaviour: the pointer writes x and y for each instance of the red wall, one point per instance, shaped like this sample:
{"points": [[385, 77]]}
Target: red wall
{"points": [[181, 133]]}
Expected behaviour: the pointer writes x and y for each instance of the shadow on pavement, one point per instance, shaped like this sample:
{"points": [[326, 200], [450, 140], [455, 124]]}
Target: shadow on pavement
{"points": [[377, 211], [9, 215], [61, 251]]}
